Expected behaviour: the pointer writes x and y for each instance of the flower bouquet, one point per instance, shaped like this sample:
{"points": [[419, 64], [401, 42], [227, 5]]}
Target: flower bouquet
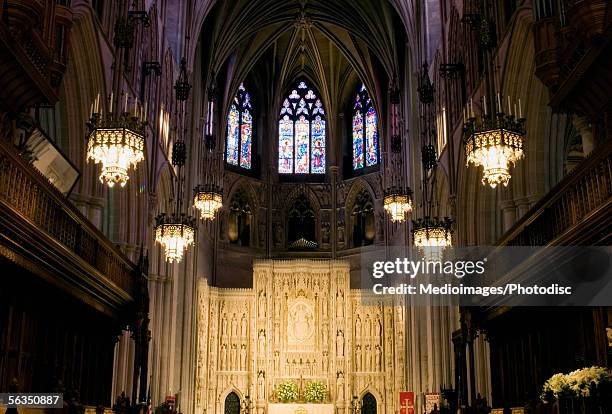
{"points": [[287, 391], [315, 392], [579, 391]]}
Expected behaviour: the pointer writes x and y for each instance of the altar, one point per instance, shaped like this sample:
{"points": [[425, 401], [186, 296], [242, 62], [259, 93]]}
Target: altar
{"points": [[301, 320], [296, 408]]}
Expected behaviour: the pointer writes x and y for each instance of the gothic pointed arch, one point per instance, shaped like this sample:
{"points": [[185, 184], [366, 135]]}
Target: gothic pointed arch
{"points": [[302, 132], [364, 131], [239, 131], [232, 404], [368, 404]]}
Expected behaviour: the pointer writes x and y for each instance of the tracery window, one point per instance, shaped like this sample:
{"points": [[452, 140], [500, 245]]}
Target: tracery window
{"points": [[301, 133], [239, 144], [365, 131]]}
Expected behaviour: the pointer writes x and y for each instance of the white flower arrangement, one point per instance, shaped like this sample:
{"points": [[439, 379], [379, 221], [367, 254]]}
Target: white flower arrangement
{"points": [[315, 392], [287, 391], [577, 383]]}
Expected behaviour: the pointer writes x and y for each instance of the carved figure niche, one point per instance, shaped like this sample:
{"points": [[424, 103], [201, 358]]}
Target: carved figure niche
{"points": [[364, 229], [240, 220], [301, 223]]}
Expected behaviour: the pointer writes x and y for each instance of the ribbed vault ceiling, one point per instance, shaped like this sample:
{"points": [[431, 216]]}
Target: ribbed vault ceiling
{"points": [[334, 44]]}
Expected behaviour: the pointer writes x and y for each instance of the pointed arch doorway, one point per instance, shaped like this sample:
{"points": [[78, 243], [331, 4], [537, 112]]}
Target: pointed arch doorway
{"points": [[368, 404], [232, 404]]}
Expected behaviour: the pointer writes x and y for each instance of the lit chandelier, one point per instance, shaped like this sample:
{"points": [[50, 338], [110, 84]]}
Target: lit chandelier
{"points": [[116, 140], [208, 199], [494, 141], [495, 138], [432, 235], [175, 233], [397, 202]]}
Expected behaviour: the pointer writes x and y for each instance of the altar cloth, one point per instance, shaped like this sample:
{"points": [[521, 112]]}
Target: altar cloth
{"points": [[295, 408]]}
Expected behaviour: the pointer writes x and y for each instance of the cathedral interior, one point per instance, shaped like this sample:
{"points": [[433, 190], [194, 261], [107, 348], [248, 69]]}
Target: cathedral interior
{"points": [[191, 192]]}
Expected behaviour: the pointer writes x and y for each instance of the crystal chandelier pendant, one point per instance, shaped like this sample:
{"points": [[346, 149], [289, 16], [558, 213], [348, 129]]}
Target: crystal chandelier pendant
{"points": [[495, 142], [207, 199], [397, 202], [175, 234], [432, 236], [116, 143]]}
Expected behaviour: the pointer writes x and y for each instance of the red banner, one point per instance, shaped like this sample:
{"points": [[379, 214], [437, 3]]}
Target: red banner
{"points": [[406, 402]]}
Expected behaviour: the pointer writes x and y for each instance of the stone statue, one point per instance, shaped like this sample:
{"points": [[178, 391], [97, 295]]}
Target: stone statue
{"points": [[340, 383], [234, 326], [358, 327], [243, 326], [340, 343], [358, 358], [260, 385], [224, 326], [233, 356], [262, 304], [243, 358], [378, 367], [262, 341], [223, 357]]}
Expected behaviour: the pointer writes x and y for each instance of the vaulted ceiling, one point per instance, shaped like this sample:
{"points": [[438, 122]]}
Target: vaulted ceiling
{"points": [[335, 44]]}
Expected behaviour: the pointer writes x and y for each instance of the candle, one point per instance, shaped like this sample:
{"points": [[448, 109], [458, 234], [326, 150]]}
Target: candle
{"points": [[471, 108], [484, 99], [136, 107], [509, 107], [145, 112], [125, 102], [498, 102], [91, 111], [111, 103], [520, 109], [515, 113]]}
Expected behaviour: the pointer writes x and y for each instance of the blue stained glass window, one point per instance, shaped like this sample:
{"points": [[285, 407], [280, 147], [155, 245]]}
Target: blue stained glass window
{"points": [[239, 143], [285, 145], [233, 135], [317, 160], [357, 140], [365, 131], [301, 133]]}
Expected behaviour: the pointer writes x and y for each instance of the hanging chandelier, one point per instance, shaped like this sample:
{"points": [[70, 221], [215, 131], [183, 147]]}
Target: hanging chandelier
{"points": [[432, 235], [208, 199], [116, 140], [397, 202], [175, 233], [495, 138], [494, 142]]}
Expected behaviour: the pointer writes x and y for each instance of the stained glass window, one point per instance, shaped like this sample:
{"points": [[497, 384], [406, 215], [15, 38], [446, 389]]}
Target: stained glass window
{"points": [[365, 131], [301, 133], [239, 145]]}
